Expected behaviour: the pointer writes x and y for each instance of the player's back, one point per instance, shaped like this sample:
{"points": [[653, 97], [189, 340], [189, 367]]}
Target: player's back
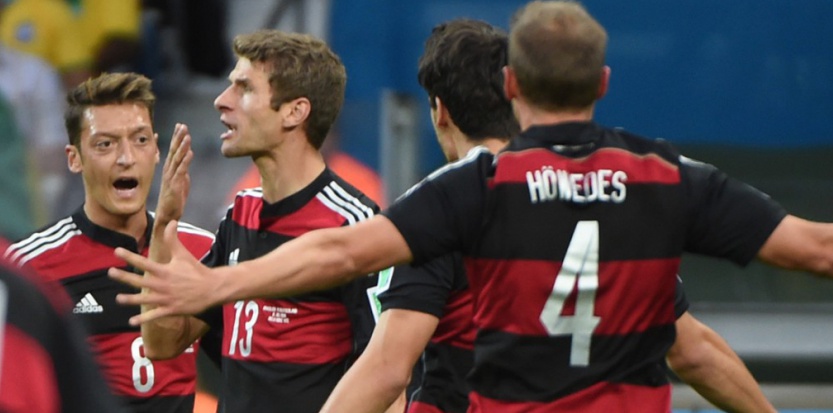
{"points": [[574, 273]]}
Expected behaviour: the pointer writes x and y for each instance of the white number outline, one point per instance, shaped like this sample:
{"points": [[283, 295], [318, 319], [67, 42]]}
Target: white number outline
{"points": [[141, 362], [580, 267], [251, 311]]}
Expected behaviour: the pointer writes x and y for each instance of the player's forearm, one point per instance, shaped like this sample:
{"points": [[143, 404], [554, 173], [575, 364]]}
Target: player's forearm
{"points": [[802, 245], [712, 369], [312, 262], [168, 337], [368, 387], [317, 260]]}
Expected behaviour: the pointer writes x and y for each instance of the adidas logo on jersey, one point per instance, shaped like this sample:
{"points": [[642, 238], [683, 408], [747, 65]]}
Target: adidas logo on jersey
{"points": [[88, 304]]}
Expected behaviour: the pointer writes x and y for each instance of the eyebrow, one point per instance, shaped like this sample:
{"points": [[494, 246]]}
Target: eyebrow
{"points": [[243, 82], [140, 128]]}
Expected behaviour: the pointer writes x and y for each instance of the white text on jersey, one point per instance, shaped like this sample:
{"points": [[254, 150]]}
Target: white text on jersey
{"points": [[603, 185]]}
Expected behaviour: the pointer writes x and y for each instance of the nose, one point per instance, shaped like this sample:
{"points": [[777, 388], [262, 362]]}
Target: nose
{"points": [[126, 155], [220, 103]]}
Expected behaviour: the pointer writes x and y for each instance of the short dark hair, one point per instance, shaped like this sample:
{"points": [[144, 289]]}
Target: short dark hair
{"points": [[105, 89], [557, 51], [462, 65], [299, 65]]}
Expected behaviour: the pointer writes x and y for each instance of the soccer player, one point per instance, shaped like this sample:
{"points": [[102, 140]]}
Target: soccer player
{"points": [[430, 307], [114, 148], [45, 366], [572, 237], [282, 354]]}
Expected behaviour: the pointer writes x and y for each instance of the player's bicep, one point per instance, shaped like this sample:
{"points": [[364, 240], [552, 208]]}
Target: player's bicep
{"points": [[799, 244], [400, 338], [375, 244]]}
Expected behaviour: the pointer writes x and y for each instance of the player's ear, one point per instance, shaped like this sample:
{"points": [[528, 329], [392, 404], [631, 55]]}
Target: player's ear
{"points": [[73, 159], [156, 145], [510, 83], [604, 82], [441, 116], [297, 112]]}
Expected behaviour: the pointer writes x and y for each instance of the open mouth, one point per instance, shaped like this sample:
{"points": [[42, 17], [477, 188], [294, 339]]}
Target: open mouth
{"points": [[230, 129], [126, 184]]}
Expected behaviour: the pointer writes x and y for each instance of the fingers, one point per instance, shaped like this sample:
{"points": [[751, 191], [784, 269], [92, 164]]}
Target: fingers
{"points": [[172, 238], [180, 148], [137, 260], [180, 132], [127, 277], [149, 315]]}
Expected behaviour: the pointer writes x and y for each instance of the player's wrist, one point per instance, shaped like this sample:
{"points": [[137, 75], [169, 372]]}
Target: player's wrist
{"points": [[226, 289]]}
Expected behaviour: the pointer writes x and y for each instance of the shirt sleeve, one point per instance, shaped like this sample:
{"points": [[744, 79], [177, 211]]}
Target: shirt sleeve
{"points": [[358, 297], [424, 288], [211, 342], [217, 255], [444, 212], [680, 300], [727, 218]]}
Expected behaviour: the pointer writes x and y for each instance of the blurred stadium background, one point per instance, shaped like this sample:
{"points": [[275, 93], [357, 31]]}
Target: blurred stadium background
{"points": [[746, 85]]}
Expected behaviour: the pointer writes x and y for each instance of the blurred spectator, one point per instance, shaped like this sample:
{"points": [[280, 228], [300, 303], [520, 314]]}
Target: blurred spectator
{"points": [[33, 142], [47, 29], [16, 219], [203, 33], [111, 30]]}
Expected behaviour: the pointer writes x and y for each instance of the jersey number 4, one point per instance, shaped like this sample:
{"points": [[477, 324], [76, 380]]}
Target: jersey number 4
{"points": [[579, 269]]}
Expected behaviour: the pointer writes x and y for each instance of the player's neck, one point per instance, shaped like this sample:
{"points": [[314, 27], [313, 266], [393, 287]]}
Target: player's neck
{"points": [[529, 115], [133, 225], [285, 172], [493, 144]]}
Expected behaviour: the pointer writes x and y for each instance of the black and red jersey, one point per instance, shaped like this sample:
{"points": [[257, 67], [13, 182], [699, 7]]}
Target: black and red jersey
{"points": [[438, 288], [287, 354], [572, 238], [45, 365], [77, 253]]}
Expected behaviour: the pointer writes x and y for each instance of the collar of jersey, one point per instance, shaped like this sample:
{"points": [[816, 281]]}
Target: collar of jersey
{"points": [[106, 236], [567, 133], [297, 200]]}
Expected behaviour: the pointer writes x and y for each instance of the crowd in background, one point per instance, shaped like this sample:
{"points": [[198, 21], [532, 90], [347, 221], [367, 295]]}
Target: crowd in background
{"points": [[49, 46]]}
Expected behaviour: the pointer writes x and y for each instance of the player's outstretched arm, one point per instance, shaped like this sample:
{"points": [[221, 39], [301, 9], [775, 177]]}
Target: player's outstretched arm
{"points": [[801, 245], [384, 369], [702, 359], [170, 336], [317, 260]]}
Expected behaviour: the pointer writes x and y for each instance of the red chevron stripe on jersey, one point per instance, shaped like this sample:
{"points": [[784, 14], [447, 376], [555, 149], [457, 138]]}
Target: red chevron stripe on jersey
{"points": [[123, 362], [455, 327], [419, 407], [287, 331], [650, 168], [526, 299], [601, 397]]}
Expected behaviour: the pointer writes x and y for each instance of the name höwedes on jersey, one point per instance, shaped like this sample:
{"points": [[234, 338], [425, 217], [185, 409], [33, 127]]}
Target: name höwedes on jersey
{"points": [[602, 185]]}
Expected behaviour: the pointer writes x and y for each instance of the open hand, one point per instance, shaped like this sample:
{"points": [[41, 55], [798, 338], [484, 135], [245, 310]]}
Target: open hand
{"points": [[182, 286], [176, 182]]}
